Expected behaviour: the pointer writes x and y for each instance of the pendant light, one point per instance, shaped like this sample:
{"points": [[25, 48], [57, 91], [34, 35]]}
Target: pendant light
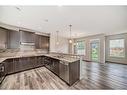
{"points": [[57, 42], [70, 40]]}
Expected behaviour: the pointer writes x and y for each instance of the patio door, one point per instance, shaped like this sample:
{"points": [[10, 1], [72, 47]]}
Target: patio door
{"points": [[95, 50]]}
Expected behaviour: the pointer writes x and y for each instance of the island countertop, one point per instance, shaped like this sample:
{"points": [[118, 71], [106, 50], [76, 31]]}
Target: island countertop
{"points": [[59, 57]]}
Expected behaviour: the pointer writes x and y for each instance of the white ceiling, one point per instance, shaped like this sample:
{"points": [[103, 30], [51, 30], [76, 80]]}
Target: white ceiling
{"points": [[85, 20]]}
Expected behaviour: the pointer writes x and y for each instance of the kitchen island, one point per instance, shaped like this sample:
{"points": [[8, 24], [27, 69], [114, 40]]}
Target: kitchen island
{"points": [[65, 67]]}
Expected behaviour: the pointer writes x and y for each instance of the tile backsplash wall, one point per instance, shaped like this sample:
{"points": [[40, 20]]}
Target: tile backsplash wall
{"points": [[2, 45]]}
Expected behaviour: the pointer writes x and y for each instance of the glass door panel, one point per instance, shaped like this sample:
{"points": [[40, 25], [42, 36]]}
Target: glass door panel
{"points": [[95, 51], [80, 48]]}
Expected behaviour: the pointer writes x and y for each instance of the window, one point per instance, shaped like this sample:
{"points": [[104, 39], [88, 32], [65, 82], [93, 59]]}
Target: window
{"points": [[80, 48], [117, 48]]}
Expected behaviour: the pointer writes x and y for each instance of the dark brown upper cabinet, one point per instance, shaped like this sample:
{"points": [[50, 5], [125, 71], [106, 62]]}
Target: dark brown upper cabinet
{"points": [[9, 39], [27, 37], [42, 42], [3, 38], [13, 39]]}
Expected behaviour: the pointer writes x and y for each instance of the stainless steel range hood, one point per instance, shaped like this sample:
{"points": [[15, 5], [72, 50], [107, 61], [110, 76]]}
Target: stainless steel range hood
{"points": [[27, 43]]}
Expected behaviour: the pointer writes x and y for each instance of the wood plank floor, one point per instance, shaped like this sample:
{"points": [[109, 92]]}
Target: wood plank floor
{"points": [[95, 76]]}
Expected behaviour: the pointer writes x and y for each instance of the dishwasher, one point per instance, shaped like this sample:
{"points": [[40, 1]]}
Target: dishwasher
{"points": [[64, 71]]}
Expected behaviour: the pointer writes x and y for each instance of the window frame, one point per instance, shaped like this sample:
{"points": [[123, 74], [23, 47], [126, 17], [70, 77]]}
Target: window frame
{"points": [[123, 50], [84, 47]]}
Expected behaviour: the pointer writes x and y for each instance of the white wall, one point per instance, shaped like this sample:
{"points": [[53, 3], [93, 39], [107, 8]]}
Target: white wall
{"points": [[62, 47]]}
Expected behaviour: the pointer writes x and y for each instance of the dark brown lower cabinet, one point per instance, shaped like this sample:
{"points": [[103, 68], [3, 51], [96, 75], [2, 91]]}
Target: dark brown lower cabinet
{"points": [[31, 62], [74, 72], [25, 63], [55, 66], [69, 72], [39, 61], [18, 64], [2, 71], [52, 64], [9, 66], [47, 62]]}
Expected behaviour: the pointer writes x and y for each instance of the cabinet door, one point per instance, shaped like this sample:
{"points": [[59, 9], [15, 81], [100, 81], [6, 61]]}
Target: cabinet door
{"points": [[13, 39], [42, 61], [39, 61], [25, 63], [61, 69], [47, 62], [2, 71], [32, 62], [18, 64], [47, 43], [10, 66], [56, 66], [51, 64], [37, 41], [27, 37]]}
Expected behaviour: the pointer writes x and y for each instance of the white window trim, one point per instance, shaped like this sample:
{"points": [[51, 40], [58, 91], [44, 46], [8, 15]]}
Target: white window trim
{"points": [[84, 46], [109, 49]]}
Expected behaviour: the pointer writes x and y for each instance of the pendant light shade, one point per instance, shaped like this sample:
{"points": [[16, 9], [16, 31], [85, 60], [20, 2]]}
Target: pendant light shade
{"points": [[57, 42], [70, 41]]}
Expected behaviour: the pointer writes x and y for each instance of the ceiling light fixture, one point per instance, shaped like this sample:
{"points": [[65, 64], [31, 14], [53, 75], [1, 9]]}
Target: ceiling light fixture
{"points": [[70, 40], [57, 42]]}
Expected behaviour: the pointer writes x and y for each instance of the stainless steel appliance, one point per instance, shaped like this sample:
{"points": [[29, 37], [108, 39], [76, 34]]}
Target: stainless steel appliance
{"points": [[64, 71]]}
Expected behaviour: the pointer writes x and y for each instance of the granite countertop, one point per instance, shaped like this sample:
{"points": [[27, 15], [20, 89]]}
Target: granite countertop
{"points": [[2, 59], [18, 55], [63, 58]]}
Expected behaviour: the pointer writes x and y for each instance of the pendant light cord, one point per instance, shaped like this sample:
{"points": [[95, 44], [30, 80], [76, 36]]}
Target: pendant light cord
{"points": [[70, 30], [57, 35]]}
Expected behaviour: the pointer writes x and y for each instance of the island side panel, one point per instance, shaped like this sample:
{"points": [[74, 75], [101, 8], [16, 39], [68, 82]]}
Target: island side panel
{"points": [[74, 72]]}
